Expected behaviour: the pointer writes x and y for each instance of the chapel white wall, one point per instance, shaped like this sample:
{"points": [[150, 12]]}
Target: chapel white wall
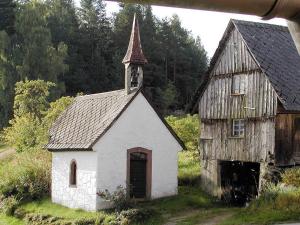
{"points": [[138, 126], [84, 195]]}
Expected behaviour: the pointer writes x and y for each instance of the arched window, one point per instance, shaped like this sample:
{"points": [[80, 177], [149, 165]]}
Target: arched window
{"points": [[73, 173]]}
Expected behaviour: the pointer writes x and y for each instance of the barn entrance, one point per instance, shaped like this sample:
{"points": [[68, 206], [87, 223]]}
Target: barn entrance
{"points": [[239, 181], [139, 173]]}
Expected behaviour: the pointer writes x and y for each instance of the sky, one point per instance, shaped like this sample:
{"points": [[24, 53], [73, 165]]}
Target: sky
{"points": [[210, 26]]}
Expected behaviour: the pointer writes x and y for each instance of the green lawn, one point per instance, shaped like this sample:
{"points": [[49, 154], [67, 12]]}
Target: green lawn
{"points": [[6, 220], [262, 217], [188, 168], [189, 198]]}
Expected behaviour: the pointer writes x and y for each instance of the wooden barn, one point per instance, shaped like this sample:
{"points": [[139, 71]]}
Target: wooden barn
{"points": [[249, 107]]}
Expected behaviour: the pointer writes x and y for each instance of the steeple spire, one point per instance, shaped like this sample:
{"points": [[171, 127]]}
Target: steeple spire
{"points": [[134, 60], [135, 53]]}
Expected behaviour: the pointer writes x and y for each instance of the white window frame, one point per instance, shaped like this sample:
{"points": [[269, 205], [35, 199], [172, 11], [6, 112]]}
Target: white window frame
{"points": [[238, 128], [238, 84]]}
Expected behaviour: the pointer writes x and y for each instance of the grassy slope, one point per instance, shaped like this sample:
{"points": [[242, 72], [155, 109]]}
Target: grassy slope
{"points": [[5, 220], [262, 217], [188, 168], [189, 198], [3, 148]]}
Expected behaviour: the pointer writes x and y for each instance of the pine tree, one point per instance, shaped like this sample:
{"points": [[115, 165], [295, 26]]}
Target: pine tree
{"points": [[7, 16], [64, 26], [38, 58], [95, 41]]}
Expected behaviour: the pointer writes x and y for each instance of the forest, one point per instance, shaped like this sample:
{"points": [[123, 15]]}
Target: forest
{"points": [[80, 49]]}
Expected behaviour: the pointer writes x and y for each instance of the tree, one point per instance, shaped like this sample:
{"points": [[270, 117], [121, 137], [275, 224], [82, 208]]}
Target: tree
{"points": [[7, 16], [8, 77], [95, 41], [33, 115], [63, 23], [37, 57], [31, 97]]}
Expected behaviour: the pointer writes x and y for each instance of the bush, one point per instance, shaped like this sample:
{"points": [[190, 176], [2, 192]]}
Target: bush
{"points": [[118, 198], [38, 218], [291, 177], [187, 129], [131, 216], [9, 205], [279, 197], [27, 177], [23, 133], [85, 221]]}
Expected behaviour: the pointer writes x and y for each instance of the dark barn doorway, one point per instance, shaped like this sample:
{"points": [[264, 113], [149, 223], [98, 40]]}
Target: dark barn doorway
{"points": [[239, 181], [138, 175]]}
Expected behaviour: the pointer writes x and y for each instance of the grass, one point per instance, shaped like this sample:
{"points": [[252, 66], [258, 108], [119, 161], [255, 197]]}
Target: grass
{"points": [[189, 198], [188, 168], [4, 147], [5, 220], [261, 217], [45, 206]]}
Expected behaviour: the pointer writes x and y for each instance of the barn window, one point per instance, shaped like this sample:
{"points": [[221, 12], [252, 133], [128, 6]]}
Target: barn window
{"points": [[238, 128], [238, 85], [73, 173]]}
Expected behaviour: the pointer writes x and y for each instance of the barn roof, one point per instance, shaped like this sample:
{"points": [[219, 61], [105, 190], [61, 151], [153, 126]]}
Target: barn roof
{"points": [[87, 120], [274, 50]]}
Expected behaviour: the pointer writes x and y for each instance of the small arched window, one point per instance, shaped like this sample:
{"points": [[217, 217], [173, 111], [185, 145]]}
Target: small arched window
{"points": [[73, 173]]}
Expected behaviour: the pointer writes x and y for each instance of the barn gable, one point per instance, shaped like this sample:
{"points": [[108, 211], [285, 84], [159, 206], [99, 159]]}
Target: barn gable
{"points": [[233, 60], [272, 50]]}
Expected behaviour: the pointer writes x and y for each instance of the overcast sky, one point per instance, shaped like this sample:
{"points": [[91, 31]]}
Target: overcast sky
{"points": [[210, 26]]}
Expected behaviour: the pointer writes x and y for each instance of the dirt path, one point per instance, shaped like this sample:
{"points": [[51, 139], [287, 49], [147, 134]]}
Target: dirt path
{"points": [[6, 153], [214, 220], [217, 219]]}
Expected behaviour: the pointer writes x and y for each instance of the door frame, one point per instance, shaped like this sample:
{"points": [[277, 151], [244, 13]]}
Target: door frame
{"points": [[148, 169]]}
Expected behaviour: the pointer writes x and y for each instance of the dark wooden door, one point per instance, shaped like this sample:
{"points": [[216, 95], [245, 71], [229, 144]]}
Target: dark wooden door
{"points": [[138, 173], [296, 142]]}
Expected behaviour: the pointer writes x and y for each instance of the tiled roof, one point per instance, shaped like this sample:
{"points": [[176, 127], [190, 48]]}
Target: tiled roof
{"points": [[274, 49], [87, 119], [134, 52]]}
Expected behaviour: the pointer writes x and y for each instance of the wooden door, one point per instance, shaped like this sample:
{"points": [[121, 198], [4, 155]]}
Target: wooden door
{"points": [[296, 142], [138, 175]]}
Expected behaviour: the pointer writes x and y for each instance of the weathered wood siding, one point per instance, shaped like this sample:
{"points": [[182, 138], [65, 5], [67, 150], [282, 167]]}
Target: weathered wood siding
{"points": [[259, 99], [257, 145], [286, 143], [218, 106]]}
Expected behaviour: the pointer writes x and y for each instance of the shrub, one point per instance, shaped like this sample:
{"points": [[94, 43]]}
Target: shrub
{"points": [[279, 197], [291, 177], [187, 128], [23, 132], [9, 205], [85, 221], [131, 216], [118, 198], [27, 177]]}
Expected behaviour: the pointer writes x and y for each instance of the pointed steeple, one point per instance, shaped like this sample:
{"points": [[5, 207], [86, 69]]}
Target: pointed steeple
{"points": [[135, 53]]}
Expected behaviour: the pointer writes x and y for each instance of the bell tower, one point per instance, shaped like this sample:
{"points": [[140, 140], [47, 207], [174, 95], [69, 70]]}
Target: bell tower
{"points": [[134, 60]]}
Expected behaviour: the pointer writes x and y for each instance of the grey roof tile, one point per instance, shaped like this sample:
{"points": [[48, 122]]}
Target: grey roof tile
{"points": [[87, 119], [274, 49]]}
